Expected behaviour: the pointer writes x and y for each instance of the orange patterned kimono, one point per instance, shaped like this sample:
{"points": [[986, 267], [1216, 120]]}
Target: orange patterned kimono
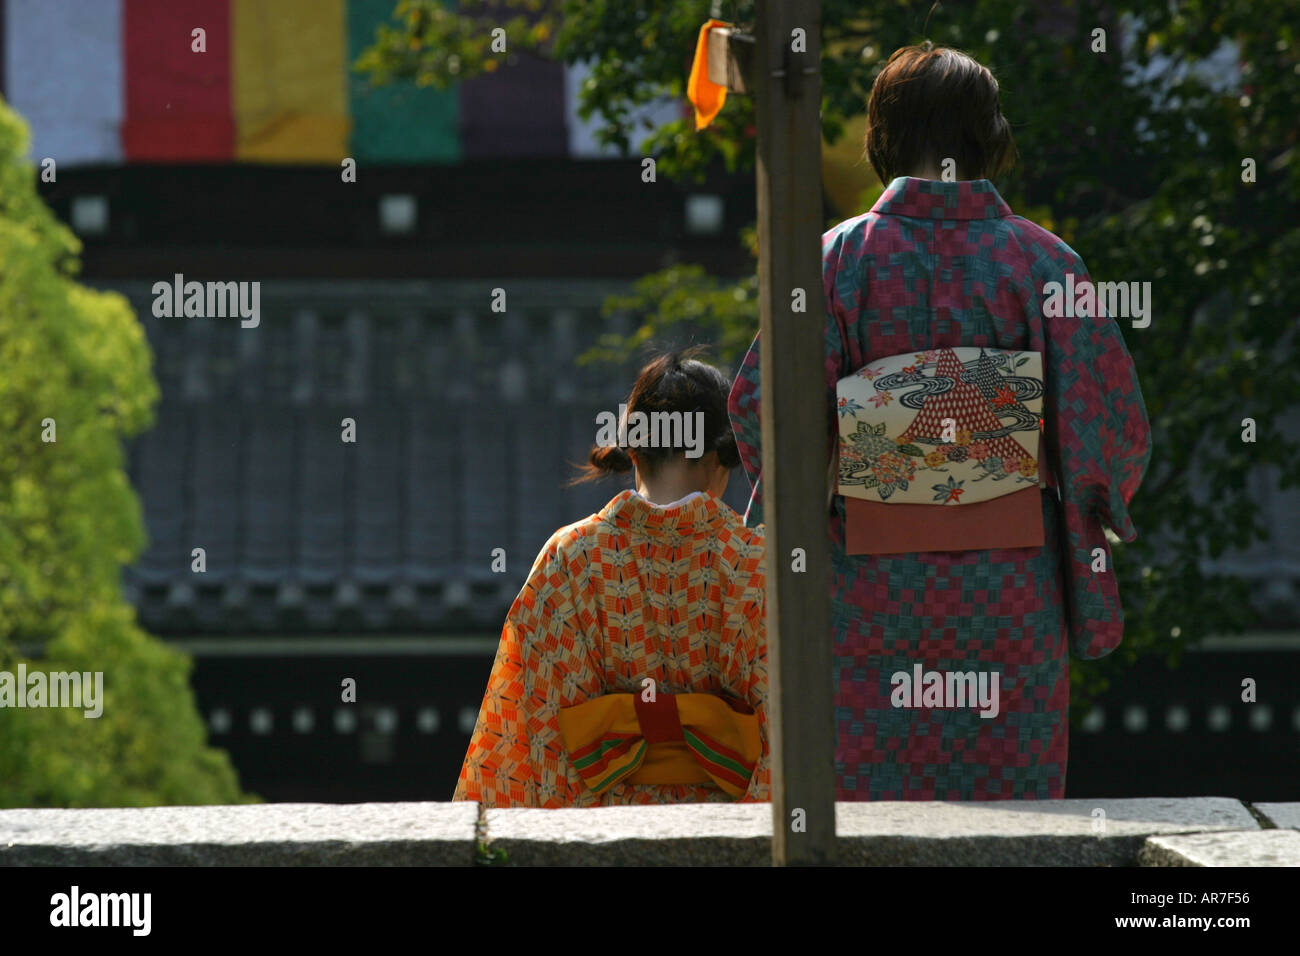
{"points": [[674, 594]]}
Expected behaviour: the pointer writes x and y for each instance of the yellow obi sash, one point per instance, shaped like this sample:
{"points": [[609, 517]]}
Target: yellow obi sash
{"points": [[672, 739]]}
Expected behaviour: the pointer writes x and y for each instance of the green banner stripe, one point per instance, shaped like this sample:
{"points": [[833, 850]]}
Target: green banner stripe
{"points": [[398, 122]]}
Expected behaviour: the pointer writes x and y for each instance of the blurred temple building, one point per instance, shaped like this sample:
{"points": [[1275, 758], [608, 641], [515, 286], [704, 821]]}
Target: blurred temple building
{"points": [[373, 559]]}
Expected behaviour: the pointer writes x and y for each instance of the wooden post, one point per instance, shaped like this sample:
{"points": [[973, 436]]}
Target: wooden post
{"points": [[787, 89]]}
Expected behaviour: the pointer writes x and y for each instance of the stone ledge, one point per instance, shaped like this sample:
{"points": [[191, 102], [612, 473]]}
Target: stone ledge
{"points": [[1248, 848], [699, 834], [273, 834], [998, 833], [1281, 814], [1024, 832]]}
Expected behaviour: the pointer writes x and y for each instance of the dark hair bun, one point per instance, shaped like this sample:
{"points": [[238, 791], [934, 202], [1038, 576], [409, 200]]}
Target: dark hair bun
{"points": [[728, 453], [610, 458]]}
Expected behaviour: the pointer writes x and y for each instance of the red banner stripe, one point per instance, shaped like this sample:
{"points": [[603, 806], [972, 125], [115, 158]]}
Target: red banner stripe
{"points": [[177, 100]]}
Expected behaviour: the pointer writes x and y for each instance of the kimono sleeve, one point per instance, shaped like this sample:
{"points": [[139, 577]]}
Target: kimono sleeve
{"points": [[756, 692], [516, 755], [745, 401], [743, 406], [1098, 443]]}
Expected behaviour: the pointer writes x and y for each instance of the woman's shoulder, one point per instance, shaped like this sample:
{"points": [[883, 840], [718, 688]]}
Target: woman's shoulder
{"points": [[577, 534], [734, 525], [568, 543], [1039, 245], [746, 546], [1042, 247], [581, 535], [627, 512], [850, 231]]}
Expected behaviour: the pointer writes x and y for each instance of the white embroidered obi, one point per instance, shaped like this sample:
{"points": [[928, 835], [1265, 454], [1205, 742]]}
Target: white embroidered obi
{"points": [[942, 427]]}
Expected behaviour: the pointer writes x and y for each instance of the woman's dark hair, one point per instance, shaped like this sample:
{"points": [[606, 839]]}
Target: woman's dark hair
{"points": [[674, 382], [933, 103]]}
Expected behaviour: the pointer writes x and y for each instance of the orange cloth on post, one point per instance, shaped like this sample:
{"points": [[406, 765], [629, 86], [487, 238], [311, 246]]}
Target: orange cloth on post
{"points": [[706, 96]]}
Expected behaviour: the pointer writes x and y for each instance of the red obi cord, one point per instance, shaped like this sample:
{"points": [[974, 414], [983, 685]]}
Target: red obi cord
{"points": [[660, 722]]}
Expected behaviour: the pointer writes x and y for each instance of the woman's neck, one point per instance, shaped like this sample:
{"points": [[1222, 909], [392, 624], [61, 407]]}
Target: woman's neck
{"points": [[672, 481], [675, 478], [929, 172], [665, 489]]}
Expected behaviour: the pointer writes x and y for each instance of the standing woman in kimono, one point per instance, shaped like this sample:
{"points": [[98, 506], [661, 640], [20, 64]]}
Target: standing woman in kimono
{"points": [[632, 667], [943, 277]]}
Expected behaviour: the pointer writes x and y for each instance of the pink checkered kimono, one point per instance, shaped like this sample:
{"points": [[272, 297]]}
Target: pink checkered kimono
{"points": [[952, 667]]}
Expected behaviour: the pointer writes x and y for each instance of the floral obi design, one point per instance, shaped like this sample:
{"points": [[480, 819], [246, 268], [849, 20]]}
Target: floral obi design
{"points": [[922, 432], [659, 738]]}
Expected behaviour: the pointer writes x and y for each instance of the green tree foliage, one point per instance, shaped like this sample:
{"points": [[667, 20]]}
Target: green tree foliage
{"points": [[69, 520], [1133, 155]]}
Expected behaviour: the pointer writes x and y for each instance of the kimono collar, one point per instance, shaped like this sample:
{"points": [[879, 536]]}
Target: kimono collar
{"points": [[696, 513], [934, 199]]}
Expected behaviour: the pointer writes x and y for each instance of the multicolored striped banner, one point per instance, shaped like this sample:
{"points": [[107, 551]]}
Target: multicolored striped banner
{"points": [[111, 81]]}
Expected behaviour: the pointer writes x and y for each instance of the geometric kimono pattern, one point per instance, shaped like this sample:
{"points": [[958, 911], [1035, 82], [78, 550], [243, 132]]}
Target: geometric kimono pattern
{"points": [[674, 594], [938, 265]]}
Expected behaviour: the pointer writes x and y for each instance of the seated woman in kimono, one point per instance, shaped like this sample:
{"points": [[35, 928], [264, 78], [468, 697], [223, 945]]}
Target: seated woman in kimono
{"points": [[632, 667], [989, 441]]}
